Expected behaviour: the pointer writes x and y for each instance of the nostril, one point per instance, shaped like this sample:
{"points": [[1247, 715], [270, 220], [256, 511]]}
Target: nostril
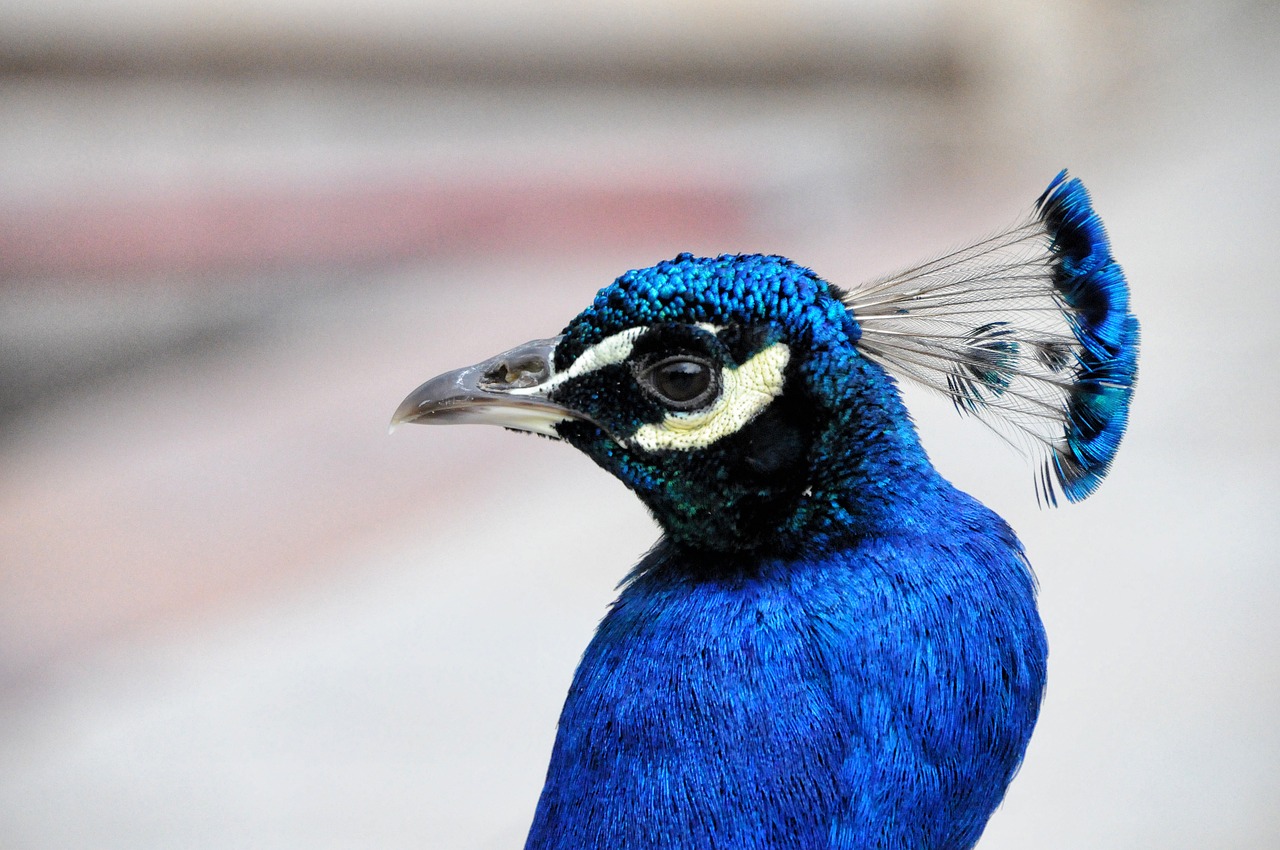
{"points": [[516, 374]]}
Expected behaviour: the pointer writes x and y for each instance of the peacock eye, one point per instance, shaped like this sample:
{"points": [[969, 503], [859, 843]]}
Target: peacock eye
{"points": [[683, 382]]}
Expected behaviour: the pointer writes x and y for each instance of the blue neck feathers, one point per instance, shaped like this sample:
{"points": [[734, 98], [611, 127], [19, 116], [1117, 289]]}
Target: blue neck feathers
{"points": [[874, 688]]}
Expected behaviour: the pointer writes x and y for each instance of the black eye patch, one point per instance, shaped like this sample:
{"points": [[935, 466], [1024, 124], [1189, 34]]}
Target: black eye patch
{"points": [[744, 341], [678, 366], [671, 339]]}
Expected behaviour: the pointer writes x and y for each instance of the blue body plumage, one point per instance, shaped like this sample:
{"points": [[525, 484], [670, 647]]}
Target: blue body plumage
{"points": [[879, 695], [831, 647]]}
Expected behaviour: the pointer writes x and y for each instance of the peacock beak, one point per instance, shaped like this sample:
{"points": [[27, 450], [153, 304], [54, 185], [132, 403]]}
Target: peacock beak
{"points": [[508, 390]]}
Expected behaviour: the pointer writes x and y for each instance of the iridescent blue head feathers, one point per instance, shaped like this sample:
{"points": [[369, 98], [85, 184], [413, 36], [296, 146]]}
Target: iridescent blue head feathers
{"points": [[1029, 330]]}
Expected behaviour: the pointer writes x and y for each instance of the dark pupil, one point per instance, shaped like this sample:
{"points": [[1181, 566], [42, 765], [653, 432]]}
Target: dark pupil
{"points": [[682, 380]]}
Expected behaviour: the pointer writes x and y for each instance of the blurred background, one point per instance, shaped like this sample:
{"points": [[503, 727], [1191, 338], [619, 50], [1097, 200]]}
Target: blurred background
{"points": [[233, 235]]}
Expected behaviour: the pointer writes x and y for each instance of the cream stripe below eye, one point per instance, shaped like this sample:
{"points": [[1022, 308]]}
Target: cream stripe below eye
{"points": [[744, 393]]}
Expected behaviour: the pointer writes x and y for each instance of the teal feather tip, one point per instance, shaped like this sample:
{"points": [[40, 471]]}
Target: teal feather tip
{"points": [[1092, 284]]}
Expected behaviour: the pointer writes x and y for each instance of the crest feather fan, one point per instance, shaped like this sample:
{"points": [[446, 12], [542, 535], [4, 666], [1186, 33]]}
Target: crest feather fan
{"points": [[1029, 330]]}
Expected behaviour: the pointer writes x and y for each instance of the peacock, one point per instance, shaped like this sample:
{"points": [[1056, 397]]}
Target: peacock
{"points": [[830, 646]]}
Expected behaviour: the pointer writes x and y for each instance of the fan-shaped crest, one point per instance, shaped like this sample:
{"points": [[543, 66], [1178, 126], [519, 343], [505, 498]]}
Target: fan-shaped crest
{"points": [[1028, 330]]}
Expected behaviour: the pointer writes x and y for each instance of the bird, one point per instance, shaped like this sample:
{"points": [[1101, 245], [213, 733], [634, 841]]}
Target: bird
{"points": [[830, 645]]}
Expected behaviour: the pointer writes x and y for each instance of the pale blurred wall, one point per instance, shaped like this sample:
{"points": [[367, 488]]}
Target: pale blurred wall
{"points": [[233, 613]]}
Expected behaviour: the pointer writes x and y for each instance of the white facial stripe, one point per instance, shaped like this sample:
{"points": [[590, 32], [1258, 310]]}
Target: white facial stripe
{"points": [[610, 350], [606, 352], [744, 392]]}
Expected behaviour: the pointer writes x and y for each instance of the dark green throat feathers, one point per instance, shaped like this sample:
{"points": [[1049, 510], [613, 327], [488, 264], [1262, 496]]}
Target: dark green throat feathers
{"points": [[830, 647]]}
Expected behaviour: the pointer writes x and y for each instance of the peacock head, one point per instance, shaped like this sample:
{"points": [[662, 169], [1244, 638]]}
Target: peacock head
{"points": [[727, 392]]}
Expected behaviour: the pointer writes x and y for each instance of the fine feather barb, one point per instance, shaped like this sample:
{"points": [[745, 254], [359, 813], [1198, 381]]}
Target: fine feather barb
{"points": [[1028, 329]]}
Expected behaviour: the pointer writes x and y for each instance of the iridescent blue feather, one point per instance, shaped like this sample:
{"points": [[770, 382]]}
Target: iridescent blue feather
{"points": [[1093, 285]]}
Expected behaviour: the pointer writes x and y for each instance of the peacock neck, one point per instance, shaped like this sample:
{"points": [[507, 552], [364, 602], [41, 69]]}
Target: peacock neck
{"points": [[723, 704], [869, 474]]}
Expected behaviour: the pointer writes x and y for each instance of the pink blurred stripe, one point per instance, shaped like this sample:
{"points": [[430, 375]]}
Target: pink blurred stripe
{"points": [[196, 231]]}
